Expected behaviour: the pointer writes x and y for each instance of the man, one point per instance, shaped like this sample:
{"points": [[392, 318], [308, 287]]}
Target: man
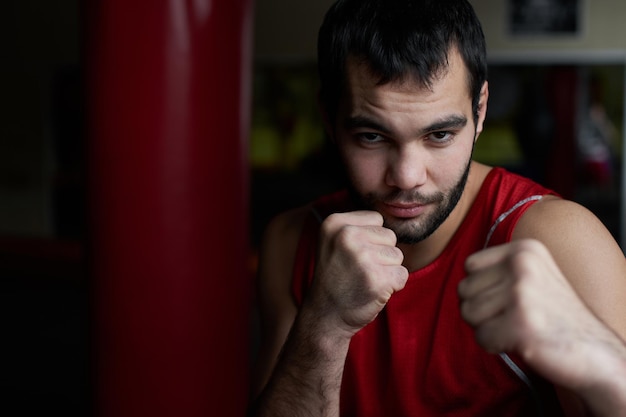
{"points": [[358, 291]]}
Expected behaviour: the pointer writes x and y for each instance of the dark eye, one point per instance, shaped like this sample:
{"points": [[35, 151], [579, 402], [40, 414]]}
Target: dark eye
{"points": [[441, 137], [369, 137]]}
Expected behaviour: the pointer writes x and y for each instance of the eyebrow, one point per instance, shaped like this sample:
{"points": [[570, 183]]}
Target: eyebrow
{"points": [[354, 122], [450, 122]]}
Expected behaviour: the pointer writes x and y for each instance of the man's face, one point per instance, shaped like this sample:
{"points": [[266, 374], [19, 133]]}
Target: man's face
{"points": [[407, 148]]}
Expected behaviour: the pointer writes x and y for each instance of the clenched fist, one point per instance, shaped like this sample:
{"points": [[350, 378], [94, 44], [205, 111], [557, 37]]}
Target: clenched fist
{"points": [[517, 299], [358, 269]]}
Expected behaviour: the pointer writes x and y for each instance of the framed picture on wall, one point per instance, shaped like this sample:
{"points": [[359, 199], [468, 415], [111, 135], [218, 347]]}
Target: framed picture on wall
{"points": [[545, 17]]}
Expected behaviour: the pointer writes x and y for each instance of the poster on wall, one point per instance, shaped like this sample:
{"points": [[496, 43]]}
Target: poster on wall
{"points": [[545, 17]]}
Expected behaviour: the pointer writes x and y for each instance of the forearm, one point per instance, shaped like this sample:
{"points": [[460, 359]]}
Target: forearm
{"points": [[606, 395], [307, 377]]}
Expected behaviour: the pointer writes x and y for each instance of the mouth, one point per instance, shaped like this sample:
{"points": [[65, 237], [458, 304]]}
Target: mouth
{"points": [[404, 210]]}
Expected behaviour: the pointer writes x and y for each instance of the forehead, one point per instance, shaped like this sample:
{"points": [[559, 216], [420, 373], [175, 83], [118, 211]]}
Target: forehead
{"points": [[449, 84]]}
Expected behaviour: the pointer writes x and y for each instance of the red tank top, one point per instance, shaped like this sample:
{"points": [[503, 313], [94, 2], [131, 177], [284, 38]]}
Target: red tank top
{"points": [[418, 357]]}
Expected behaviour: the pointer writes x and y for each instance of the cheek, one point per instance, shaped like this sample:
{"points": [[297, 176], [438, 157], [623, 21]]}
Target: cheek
{"points": [[449, 167], [447, 163], [444, 168], [366, 172]]}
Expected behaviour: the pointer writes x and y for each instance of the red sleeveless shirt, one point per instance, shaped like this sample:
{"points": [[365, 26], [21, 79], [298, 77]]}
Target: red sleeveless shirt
{"points": [[418, 357]]}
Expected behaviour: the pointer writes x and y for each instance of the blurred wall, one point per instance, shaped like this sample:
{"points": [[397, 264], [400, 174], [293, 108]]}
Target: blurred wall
{"points": [[286, 30], [602, 28]]}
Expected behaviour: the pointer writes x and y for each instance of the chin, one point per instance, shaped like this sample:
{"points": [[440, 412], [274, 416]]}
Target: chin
{"points": [[407, 233]]}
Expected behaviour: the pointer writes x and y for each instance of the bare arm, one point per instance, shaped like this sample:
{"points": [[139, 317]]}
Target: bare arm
{"points": [[358, 269], [524, 303], [307, 377], [588, 257], [519, 301], [277, 310]]}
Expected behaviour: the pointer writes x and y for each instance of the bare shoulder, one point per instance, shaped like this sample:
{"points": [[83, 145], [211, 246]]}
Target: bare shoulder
{"points": [[585, 251], [289, 222], [278, 247], [277, 254], [277, 309], [566, 225]]}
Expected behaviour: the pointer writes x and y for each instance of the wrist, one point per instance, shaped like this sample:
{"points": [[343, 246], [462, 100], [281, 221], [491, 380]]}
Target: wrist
{"points": [[324, 331], [605, 392], [326, 316], [309, 371]]}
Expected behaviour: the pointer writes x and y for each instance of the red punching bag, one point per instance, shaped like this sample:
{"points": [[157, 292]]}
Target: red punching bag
{"points": [[168, 121]]}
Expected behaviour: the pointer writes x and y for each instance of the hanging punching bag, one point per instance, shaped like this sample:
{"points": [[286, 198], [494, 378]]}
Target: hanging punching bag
{"points": [[168, 101]]}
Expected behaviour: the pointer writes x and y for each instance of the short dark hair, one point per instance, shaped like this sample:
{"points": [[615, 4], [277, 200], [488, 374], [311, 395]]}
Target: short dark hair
{"points": [[399, 38]]}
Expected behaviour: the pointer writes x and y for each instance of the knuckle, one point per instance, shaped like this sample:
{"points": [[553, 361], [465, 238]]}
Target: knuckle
{"points": [[402, 274], [375, 217], [399, 253], [389, 235], [348, 237], [332, 222], [391, 253], [523, 259]]}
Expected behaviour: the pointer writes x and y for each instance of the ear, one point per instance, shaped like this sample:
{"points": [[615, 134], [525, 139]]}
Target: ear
{"points": [[326, 121], [482, 108]]}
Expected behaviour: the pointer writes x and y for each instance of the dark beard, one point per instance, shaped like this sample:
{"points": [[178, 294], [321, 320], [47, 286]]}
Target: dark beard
{"points": [[411, 234]]}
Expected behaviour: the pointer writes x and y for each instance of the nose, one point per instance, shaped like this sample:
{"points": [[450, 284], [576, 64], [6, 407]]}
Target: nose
{"points": [[406, 168]]}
